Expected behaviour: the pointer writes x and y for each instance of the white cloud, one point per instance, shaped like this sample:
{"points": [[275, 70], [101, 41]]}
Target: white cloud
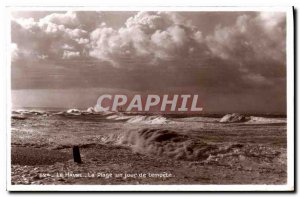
{"points": [[67, 19], [67, 47], [147, 37], [255, 44], [251, 38], [70, 54], [14, 50], [48, 37], [86, 20], [249, 47], [82, 40]]}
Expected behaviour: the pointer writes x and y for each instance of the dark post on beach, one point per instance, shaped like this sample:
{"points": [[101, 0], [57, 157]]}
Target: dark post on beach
{"points": [[76, 154]]}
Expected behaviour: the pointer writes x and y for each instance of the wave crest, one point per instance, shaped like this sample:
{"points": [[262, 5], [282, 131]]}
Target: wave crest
{"points": [[139, 119], [162, 142], [174, 145]]}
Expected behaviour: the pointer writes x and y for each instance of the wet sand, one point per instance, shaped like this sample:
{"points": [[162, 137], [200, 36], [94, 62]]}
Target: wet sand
{"points": [[121, 160]]}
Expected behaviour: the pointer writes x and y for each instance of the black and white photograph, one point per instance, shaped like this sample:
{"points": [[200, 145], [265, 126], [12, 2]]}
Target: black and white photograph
{"points": [[150, 98]]}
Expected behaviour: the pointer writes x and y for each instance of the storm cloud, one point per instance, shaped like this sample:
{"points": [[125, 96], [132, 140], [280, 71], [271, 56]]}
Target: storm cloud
{"points": [[237, 53]]}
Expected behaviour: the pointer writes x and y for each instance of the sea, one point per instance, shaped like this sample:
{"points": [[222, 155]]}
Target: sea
{"points": [[254, 144]]}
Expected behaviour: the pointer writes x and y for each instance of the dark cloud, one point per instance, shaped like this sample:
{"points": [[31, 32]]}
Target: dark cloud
{"points": [[212, 53]]}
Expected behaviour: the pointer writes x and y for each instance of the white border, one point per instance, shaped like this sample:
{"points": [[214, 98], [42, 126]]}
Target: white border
{"points": [[151, 8], [290, 109], [290, 98]]}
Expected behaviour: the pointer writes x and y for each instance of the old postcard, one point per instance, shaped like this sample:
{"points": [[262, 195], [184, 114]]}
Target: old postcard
{"points": [[150, 99]]}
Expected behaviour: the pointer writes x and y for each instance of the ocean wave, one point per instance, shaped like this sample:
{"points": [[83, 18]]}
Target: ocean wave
{"points": [[78, 112], [139, 119], [18, 117], [23, 112], [156, 142], [262, 120], [90, 110], [162, 142], [66, 113], [73, 111], [234, 118], [178, 146], [117, 117], [148, 120], [238, 118], [197, 119]]}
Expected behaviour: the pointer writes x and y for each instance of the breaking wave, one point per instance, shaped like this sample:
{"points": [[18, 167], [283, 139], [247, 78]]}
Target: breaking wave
{"points": [[234, 118], [77, 112], [158, 142], [174, 145], [149, 119], [29, 112], [139, 119], [73, 111], [197, 119], [24, 114]]}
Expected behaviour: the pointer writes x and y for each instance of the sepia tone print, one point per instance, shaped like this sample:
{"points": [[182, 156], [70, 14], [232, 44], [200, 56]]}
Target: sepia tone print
{"points": [[151, 97]]}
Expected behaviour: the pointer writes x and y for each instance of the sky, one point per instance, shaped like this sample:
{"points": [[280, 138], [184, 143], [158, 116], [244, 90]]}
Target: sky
{"points": [[234, 61]]}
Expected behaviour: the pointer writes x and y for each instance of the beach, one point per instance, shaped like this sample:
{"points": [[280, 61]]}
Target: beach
{"points": [[118, 148]]}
